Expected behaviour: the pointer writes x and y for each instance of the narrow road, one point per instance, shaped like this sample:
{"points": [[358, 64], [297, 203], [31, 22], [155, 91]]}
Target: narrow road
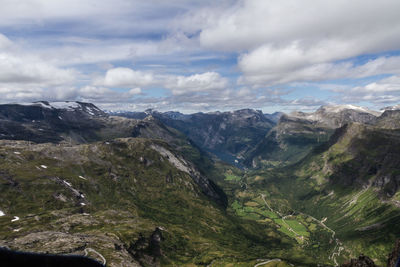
{"points": [[354, 199], [266, 262], [338, 247], [87, 250]]}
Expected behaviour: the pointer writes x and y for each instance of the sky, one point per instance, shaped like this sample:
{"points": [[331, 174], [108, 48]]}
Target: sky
{"points": [[201, 55]]}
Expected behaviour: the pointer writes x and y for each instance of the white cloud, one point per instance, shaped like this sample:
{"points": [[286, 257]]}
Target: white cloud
{"points": [[26, 77], [251, 24], [208, 81], [32, 70], [29, 93], [177, 84], [135, 91], [386, 85], [126, 77], [103, 94], [36, 11], [10, 94], [382, 92], [300, 39], [324, 71], [269, 59]]}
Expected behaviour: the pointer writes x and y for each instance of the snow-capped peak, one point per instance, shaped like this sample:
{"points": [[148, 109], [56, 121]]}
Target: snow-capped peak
{"points": [[67, 105]]}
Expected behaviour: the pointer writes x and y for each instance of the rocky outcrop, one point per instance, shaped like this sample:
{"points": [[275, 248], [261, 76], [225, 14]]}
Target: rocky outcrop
{"points": [[362, 261], [147, 250]]}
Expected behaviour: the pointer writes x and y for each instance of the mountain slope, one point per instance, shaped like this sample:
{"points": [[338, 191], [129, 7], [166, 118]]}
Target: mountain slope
{"points": [[298, 133], [43, 122], [115, 198], [289, 141], [390, 119], [349, 185], [225, 134]]}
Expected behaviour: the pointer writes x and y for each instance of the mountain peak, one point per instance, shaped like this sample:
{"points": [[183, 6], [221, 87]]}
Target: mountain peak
{"points": [[88, 108], [340, 108], [338, 115], [396, 107]]}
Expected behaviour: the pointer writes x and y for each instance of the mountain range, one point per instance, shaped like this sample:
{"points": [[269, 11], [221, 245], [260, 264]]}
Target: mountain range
{"points": [[239, 188]]}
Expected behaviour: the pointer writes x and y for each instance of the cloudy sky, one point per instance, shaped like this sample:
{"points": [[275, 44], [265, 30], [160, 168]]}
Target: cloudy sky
{"points": [[201, 55]]}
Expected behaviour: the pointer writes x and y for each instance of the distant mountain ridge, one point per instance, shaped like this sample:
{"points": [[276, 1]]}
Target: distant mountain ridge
{"points": [[297, 133], [239, 137], [45, 122], [228, 135], [335, 116]]}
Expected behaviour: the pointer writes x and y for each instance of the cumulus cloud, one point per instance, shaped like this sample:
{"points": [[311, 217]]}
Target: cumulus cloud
{"points": [[177, 84], [391, 84], [26, 77], [32, 70], [30, 93], [95, 94], [251, 24], [126, 77], [208, 81], [276, 38], [24, 69], [385, 91], [324, 71]]}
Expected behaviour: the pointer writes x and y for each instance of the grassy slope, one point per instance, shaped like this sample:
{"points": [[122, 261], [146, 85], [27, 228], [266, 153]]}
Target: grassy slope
{"points": [[336, 183], [129, 189]]}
